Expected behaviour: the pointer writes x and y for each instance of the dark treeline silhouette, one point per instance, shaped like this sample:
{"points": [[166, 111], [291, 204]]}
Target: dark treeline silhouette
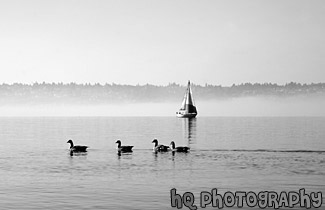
{"points": [[73, 93]]}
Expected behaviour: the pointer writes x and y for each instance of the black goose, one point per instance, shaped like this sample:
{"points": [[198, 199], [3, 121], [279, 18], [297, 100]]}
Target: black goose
{"points": [[123, 148], [178, 149], [159, 147], [77, 148]]}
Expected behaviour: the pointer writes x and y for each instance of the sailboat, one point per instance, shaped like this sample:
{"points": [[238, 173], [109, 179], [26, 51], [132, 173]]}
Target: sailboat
{"points": [[188, 109]]}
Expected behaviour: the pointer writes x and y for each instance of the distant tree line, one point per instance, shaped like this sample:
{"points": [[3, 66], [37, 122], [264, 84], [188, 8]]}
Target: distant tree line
{"points": [[73, 93]]}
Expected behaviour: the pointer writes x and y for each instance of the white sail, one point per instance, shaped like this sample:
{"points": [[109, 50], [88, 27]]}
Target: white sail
{"points": [[183, 106], [189, 98]]}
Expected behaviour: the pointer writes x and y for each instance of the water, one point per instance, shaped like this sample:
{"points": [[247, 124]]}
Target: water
{"points": [[230, 154]]}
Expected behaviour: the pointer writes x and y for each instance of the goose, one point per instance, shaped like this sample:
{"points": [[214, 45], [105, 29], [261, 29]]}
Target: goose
{"points": [[77, 148], [159, 147], [123, 148], [178, 149]]}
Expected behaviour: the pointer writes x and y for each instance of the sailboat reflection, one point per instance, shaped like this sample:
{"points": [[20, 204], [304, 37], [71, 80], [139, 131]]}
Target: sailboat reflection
{"points": [[189, 130]]}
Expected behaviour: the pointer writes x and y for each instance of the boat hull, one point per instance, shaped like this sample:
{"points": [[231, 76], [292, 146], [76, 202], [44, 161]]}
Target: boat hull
{"points": [[186, 115]]}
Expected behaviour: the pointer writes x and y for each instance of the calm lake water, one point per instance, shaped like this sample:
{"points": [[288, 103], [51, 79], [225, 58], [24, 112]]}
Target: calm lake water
{"points": [[230, 154]]}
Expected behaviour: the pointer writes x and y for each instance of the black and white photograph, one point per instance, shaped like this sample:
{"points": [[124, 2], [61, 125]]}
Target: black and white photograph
{"points": [[162, 104]]}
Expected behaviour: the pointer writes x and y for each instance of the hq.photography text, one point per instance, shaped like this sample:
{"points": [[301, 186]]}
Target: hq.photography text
{"points": [[263, 199]]}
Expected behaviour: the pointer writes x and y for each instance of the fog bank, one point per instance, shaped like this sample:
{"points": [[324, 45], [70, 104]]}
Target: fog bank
{"points": [[245, 106]]}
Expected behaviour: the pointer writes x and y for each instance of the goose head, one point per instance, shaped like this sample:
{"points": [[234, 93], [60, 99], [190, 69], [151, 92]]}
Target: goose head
{"points": [[118, 142], [172, 145], [71, 143], [155, 141]]}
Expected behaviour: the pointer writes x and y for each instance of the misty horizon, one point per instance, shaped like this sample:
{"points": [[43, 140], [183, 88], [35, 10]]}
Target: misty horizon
{"points": [[60, 93], [58, 99]]}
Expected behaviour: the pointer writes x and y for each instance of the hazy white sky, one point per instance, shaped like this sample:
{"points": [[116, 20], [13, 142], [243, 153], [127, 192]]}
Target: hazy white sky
{"points": [[161, 41]]}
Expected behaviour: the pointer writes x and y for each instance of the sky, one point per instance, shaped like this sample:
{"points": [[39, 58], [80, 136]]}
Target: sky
{"points": [[221, 42]]}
